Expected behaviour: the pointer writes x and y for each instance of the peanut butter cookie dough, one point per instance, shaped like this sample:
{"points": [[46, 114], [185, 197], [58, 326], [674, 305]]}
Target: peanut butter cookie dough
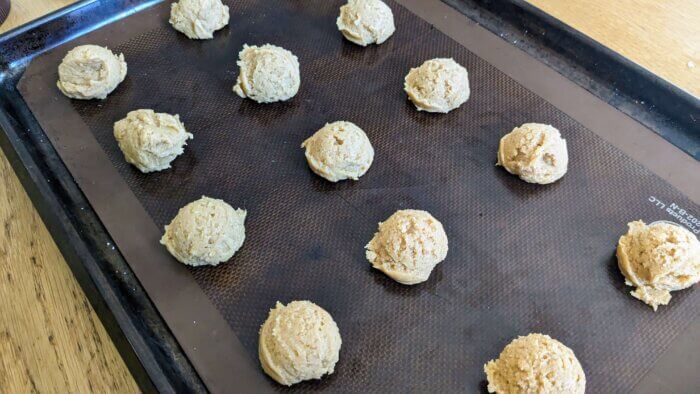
{"points": [[657, 259], [535, 152], [205, 232], [366, 22], [267, 74], [438, 85], [198, 19], [408, 246], [338, 151], [535, 363], [90, 72], [298, 341], [149, 140]]}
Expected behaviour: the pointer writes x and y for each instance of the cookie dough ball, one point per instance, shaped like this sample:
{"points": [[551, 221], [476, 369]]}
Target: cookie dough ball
{"points": [[535, 152], [339, 150], [267, 74], [366, 22], [408, 246], [658, 259], [206, 231], [150, 140], [535, 364], [90, 72], [198, 19], [438, 85], [299, 341]]}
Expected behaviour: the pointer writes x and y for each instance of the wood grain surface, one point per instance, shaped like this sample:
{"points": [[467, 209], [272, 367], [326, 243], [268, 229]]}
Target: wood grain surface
{"points": [[661, 36], [23, 11], [50, 338]]}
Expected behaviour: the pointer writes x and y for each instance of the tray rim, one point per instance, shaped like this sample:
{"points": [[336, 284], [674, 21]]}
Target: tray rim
{"points": [[661, 106], [142, 339], [66, 231]]}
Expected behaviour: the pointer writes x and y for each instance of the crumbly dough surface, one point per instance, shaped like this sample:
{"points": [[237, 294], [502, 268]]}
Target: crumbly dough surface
{"points": [[366, 22], [408, 246], [198, 19], [538, 364], [90, 72], [267, 74], [205, 232], [535, 152], [438, 85], [657, 259], [149, 140], [338, 151], [299, 341]]}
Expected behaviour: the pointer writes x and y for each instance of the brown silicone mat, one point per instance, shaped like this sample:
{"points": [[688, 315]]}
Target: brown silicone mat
{"points": [[523, 258]]}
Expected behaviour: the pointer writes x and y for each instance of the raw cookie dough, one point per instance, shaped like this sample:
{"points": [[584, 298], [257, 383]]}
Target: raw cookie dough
{"points": [[408, 246], [366, 22], [198, 19], [438, 85], [267, 74], [535, 364], [339, 150], [658, 259], [206, 231], [90, 72], [535, 152], [299, 341], [149, 140]]}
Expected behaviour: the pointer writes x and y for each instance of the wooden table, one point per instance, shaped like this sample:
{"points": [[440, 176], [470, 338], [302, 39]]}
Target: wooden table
{"points": [[50, 338]]}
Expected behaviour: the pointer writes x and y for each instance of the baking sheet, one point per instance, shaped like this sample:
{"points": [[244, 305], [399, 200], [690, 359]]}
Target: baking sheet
{"points": [[522, 258]]}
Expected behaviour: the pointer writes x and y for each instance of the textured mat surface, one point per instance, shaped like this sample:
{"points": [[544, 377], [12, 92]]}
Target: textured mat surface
{"points": [[523, 258]]}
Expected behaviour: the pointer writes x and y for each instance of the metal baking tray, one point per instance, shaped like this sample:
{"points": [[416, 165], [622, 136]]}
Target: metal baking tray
{"points": [[181, 329]]}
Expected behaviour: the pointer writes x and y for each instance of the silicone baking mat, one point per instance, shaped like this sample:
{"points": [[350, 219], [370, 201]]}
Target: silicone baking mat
{"points": [[523, 258]]}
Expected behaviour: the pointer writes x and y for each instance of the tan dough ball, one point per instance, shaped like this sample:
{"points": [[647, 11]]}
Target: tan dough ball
{"points": [[658, 259], [533, 364], [149, 140], [267, 74], [408, 246], [299, 341], [198, 19], [438, 85], [366, 22], [205, 232], [535, 152], [90, 72], [338, 151]]}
